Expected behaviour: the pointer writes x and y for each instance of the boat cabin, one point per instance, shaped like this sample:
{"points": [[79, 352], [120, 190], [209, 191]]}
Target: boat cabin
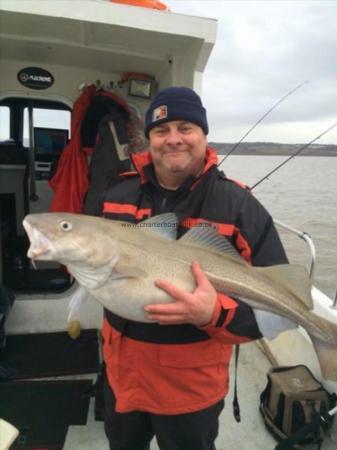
{"points": [[51, 52]]}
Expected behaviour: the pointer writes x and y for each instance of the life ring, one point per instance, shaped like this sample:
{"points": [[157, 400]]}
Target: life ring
{"points": [[153, 4]]}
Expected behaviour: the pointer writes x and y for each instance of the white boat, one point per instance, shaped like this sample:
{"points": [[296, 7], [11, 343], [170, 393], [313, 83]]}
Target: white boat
{"points": [[50, 51]]}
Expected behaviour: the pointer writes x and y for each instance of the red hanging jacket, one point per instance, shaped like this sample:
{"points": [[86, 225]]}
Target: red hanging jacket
{"points": [[70, 182]]}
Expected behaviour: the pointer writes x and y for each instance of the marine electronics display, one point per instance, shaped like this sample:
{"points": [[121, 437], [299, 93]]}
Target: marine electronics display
{"points": [[49, 142]]}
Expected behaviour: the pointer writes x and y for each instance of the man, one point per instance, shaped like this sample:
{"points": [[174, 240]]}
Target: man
{"points": [[168, 378]]}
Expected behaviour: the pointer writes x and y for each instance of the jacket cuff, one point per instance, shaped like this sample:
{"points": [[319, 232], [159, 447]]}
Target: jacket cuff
{"points": [[223, 306]]}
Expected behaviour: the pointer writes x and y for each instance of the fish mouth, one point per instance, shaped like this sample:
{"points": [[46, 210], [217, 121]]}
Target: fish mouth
{"points": [[40, 246]]}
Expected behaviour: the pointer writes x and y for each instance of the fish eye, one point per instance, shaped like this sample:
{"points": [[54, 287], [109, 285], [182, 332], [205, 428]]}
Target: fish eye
{"points": [[66, 226]]}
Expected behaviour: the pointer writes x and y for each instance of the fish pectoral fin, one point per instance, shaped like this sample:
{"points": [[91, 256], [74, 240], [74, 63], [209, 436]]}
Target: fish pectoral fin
{"points": [[271, 324], [207, 237], [165, 225], [126, 271], [293, 278], [79, 297]]}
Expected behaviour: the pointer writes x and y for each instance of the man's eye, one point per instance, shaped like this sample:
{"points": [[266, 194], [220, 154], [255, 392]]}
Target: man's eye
{"points": [[159, 131]]}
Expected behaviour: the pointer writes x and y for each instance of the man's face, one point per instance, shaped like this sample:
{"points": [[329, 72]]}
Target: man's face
{"points": [[178, 148]]}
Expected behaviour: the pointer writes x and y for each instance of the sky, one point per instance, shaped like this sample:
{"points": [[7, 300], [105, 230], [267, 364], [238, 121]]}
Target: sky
{"points": [[265, 49]]}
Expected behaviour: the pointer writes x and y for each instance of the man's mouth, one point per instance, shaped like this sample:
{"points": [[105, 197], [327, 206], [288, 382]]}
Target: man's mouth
{"points": [[174, 152]]}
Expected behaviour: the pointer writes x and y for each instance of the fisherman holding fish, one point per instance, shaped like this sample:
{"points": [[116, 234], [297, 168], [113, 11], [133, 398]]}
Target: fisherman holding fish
{"points": [[181, 257], [187, 255], [168, 377]]}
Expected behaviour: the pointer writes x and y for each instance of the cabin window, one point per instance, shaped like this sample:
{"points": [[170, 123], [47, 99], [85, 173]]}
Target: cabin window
{"points": [[4, 123], [46, 118]]}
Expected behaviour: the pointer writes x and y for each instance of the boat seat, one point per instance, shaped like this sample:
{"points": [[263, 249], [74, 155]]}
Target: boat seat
{"points": [[14, 183], [13, 153], [14, 203]]}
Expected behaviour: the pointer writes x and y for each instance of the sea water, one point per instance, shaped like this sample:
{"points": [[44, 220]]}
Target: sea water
{"points": [[302, 194]]}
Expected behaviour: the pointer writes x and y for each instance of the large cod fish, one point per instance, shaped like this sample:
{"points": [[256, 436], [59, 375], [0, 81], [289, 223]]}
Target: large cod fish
{"points": [[117, 263]]}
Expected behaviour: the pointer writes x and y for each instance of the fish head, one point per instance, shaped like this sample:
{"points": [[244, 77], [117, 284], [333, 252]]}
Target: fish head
{"points": [[70, 239]]}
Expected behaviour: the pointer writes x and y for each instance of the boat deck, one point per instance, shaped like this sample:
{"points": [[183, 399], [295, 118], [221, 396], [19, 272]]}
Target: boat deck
{"points": [[250, 434]]}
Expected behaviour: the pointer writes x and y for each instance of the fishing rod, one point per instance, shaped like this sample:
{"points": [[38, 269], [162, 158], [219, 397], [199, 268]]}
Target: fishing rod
{"points": [[293, 156], [260, 120]]}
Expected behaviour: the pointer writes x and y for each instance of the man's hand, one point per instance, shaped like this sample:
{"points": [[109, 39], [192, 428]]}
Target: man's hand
{"points": [[190, 307]]}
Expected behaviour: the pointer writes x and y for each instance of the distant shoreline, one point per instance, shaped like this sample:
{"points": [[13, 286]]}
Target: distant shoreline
{"points": [[274, 149]]}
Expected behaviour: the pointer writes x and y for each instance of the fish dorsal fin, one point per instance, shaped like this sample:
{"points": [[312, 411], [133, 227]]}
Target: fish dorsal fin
{"points": [[206, 236], [293, 278], [165, 225]]}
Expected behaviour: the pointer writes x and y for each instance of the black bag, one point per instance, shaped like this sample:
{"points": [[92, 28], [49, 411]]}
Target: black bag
{"points": [[293, 399]]}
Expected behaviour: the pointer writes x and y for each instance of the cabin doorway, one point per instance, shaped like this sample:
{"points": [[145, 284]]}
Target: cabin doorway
{"points": [[33, 134]]}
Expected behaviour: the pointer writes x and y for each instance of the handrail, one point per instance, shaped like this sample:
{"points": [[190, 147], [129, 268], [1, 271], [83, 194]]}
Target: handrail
{"points": [[32, 184], [308, 239]]}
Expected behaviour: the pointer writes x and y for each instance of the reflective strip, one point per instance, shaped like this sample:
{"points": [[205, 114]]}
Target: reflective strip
{"points": [[244, 248], [118, 208], [222, 228]]}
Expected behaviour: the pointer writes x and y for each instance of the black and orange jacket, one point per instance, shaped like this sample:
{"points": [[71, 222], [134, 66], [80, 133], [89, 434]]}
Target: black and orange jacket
{"points": [[175, 369]]}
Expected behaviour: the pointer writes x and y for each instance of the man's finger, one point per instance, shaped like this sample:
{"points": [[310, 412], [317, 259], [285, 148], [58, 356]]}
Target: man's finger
{"points": [[167, 320], [165, 309], [198, 273], [174, 291]]}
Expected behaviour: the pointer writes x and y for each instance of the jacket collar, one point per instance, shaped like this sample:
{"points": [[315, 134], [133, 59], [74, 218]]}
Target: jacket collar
{"points": [[143, 159]]}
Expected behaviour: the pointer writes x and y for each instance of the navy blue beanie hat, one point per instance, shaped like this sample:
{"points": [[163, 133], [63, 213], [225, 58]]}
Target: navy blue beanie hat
{"points": [[176, 103]]}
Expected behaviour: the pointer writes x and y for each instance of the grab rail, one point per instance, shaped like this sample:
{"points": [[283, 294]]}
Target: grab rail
{"points": [[307, 238], [32, 185]]}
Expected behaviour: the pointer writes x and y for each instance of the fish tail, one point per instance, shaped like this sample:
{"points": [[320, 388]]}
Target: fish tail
{"points": [[327, 357]]}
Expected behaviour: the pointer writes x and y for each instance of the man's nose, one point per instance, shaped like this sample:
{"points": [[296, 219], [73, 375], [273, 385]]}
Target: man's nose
{"points": [[173, 137]]}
